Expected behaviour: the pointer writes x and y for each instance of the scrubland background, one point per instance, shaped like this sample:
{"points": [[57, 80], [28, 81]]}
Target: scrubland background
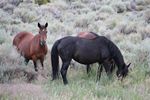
{"points": [[125, 22]]}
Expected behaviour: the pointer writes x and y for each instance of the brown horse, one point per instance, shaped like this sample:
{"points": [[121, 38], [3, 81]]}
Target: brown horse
{"points": [[32, 47]]}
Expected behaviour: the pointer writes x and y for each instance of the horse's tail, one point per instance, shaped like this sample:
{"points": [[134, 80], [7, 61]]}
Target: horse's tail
{"points": [[55, 60]]}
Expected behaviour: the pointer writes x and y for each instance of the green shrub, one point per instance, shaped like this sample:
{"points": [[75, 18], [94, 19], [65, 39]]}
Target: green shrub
{"points": [[40, 2]]}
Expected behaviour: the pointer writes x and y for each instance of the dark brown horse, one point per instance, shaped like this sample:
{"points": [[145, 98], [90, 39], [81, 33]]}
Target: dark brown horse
{"points": [[100, 50], [32, 47], [109, 66]]}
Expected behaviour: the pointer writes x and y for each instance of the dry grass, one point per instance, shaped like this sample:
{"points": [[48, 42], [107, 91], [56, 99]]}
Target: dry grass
{"points": [[11, 75], [22, 91]]}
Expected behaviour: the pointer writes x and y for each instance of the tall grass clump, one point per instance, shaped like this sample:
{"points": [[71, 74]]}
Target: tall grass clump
{"points": [[119, 7], [12, 66], [2, 37], [112, 22], [84, 20], [107, 9], [126, 27], [140, 2], [77, 5], [147, 2], [26, 15], [147, 16], [144, 31], [3, 19]]}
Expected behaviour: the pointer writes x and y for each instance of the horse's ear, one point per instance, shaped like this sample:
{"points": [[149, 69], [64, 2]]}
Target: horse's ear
{"points": [[46, 25], [39, 25], [128, 65]]}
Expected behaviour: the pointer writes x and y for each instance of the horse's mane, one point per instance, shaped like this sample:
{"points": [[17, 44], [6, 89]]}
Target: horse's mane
{"points": [[115, 53], [94, 33]]}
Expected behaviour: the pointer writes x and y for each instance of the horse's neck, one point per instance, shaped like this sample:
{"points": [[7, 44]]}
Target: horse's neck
{"points": [[36, 38], [116, 55], [35, 45], [119, 61]]}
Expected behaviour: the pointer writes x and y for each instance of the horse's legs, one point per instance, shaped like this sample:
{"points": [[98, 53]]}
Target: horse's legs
{"points": [[88, 68], [112, 67], [99, 71], [35, 66], [26, 61], [107, 68], [42, 60], [64, 69]]}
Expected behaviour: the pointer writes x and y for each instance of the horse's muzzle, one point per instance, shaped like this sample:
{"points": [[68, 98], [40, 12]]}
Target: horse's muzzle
{"points": [[42, 43]]}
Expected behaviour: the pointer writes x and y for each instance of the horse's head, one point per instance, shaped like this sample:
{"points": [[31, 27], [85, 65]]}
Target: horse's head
{"points": [[43, 33], [123, 72]]}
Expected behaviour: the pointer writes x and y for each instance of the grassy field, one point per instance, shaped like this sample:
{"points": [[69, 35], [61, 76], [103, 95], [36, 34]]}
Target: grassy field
{"points": [[128, 27]]}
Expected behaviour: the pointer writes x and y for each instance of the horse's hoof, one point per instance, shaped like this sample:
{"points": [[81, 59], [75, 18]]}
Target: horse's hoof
{"points": [[65, 83], [52, 79]]}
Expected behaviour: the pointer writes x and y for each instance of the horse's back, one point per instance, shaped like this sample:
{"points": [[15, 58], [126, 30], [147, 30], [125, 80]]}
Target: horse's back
{"points": [[20, 37], [78, 41], [22, 42], [82, 50], [87, 35], [66, 41]]}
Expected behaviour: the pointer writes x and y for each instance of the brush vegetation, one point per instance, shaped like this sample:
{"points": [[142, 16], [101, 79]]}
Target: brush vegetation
{"points": [[128, 28]]}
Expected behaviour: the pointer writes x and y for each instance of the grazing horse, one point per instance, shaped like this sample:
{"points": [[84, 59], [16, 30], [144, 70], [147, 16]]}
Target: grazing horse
{"points": [[109, 66], [85, 51], [32, 47]]}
